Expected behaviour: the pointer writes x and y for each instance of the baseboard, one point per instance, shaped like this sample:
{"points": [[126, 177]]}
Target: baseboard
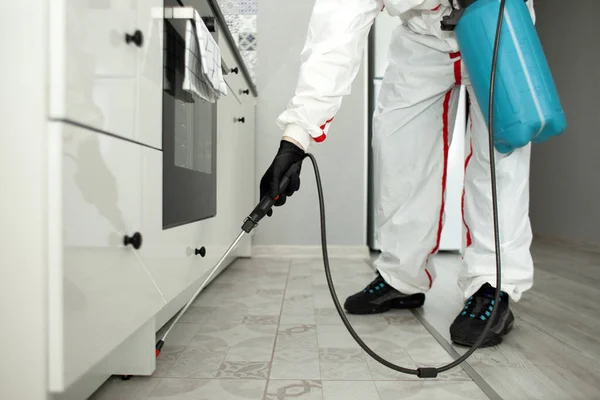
{"points": [[355, 252], [593, 247]]}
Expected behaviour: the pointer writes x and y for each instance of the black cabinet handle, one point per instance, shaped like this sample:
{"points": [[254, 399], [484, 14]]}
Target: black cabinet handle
{"points": [[137, 38], [210, 23], [242, 120], [234, 70], [247, 91], [135, 240], [201, 251]]}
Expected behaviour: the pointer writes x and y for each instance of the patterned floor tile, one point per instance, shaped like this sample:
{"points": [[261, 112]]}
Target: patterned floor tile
{"points": [[209, 389], [296, 336], [197, 362], [427, 390], [238, 354], [335, 371], [343, 364], [243, 370], [236, 335], [288, 390], [394, 354], [400, 356], [261, 319], [296, 363], [349, 390], [335, 336], [341, 355], [298, 319]]}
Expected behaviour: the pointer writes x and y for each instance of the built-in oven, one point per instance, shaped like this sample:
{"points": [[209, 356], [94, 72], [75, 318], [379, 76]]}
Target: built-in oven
{"points": [[189, 137]]}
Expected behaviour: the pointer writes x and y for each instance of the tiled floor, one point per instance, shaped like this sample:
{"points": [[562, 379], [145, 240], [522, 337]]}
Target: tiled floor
{"points": [[267, 329], [554, 348]]}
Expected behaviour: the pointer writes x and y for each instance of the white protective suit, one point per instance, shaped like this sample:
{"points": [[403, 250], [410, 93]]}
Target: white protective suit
{"points": [[412, 127]]}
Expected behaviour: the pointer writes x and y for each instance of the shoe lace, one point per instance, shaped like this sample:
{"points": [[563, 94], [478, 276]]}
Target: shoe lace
{"points": [[481, 304], [377, 284]]}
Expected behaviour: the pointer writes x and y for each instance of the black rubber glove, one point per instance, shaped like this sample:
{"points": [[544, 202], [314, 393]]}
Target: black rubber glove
{"points": [[287, 155]]}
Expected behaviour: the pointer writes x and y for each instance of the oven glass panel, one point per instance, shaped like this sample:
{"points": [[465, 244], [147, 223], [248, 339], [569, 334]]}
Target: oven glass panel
{"points": [[189, 139], [192, 151]]}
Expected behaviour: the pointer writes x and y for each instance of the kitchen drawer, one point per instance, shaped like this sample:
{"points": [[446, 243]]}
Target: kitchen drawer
{"points": [[97, 78], [100, 291]]}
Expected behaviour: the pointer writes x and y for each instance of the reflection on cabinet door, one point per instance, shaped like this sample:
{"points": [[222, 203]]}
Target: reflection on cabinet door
{"points": [[106, 66], [102, 292], [150, 74]]}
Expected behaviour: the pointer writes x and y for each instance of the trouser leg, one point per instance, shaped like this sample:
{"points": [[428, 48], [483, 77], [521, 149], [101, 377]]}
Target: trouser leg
{"points": [[412, 165], [512, 172]]}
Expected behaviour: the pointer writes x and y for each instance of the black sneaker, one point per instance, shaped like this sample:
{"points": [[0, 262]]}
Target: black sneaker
{"points": [[469, 324], [379, 297]]}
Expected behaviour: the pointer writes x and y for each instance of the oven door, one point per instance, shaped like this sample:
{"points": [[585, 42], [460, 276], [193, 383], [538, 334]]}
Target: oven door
{"points": [[189, 139]]}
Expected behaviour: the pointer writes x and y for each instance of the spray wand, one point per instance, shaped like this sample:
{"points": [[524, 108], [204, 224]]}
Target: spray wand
{"points": [[251, 222]]}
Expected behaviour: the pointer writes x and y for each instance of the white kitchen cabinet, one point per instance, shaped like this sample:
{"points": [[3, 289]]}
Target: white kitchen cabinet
{"points": [[106, 66], [102, 181], [100, 290]]}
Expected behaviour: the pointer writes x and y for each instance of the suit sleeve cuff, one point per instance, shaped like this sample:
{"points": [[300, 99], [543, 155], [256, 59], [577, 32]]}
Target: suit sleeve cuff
{"points": [[299, 135]]}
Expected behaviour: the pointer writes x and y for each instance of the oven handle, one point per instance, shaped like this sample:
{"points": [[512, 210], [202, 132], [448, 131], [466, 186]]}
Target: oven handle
{"points": [[188, 13]]}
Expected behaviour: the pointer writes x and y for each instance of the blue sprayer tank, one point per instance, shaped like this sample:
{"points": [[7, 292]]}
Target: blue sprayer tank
{"points": [[527, 107]]}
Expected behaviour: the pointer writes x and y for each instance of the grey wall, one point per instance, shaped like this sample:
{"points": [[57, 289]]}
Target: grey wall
{"points": [[565, 182], [282, 27]]}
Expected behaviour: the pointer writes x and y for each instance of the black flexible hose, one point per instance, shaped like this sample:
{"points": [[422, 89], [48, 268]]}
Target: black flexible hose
{"points": [[428, 372]]}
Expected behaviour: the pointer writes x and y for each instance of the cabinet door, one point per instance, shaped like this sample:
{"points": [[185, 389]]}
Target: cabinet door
{"points": [[246, 190], [106, 66], [101, 292], [228, 150], [170, 254]]}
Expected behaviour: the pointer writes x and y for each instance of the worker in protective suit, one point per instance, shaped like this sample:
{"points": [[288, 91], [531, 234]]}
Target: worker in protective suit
{"points": [[412, 126]]}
